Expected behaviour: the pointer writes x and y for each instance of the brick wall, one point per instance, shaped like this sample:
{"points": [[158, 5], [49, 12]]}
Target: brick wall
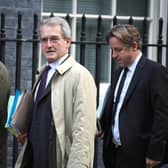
{"points": [[11, 8]]}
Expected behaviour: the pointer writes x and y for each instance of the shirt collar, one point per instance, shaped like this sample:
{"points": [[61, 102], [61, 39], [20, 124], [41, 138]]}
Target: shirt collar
{"points": [[134, 64], [54, 65]]}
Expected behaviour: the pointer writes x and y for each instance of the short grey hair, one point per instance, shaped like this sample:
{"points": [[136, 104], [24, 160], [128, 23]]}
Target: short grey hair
{"points": [[55, 21]]}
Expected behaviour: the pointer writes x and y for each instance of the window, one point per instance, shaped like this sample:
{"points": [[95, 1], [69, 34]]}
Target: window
{"points": [[108, 9]]}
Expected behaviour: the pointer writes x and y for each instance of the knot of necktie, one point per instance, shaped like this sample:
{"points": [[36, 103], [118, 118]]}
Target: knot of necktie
{"points": [[125, 69], [47, 68], [43, 80]]}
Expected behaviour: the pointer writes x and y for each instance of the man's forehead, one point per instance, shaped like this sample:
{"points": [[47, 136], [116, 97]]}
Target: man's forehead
{"points": [[51, 30]]}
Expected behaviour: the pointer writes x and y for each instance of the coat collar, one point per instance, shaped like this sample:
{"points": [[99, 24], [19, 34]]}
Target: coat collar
{"points": [[66, 65]]}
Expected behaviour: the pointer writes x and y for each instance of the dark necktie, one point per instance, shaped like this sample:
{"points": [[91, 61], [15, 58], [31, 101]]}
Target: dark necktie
{"points": [[120, 89], [42, 85]]}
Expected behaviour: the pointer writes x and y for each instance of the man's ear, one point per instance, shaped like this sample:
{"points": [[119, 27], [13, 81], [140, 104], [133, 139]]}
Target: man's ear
{"points": [[68, 40], [134, 46]]}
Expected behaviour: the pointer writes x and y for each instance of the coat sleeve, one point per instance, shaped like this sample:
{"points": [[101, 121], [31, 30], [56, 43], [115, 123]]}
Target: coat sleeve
{"points": [[84, 122], [159, 101], [105, 118]]}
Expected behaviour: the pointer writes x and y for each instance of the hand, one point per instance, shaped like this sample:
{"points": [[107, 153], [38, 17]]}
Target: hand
{"points": [[151, 163], [21, 138]]}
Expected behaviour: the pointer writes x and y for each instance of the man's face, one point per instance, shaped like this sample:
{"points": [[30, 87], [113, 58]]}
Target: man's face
{"points": [[53, 45], [122, 55]]}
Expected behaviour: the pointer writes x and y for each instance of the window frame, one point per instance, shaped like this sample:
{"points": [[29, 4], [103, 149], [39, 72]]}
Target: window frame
{"points": [[156, 9]]}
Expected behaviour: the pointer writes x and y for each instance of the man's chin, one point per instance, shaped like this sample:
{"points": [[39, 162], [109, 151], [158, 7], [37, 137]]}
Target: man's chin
{"points": [[120, 64], [51, 54], [51, 59]]}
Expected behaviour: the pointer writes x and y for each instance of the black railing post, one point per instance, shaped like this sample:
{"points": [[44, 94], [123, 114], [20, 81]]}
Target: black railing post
{"points": [[18, 51], [67, 18], [97, 77], [130, 21], [160, 41], [2, 38], [98, 54], [35, 48], [51, 14], [144, 36], [113, 64], [167, 47], [82, 39], [115, 20], [17, 74]]}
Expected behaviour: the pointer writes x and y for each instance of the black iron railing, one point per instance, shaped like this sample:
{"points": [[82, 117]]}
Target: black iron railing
{"points": [[99, 42]]}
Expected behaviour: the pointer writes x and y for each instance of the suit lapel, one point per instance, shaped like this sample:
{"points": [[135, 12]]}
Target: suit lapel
{"points": [[136, 77], [38, 76], [48, 89], [117, 74]]}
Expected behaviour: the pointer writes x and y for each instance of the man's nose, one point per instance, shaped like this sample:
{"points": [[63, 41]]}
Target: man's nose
{"points": [[49, 43], [114, 54]]}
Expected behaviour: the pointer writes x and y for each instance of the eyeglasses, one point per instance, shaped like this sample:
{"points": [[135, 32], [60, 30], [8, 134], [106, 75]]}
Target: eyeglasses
{"points": [[52, 39]]}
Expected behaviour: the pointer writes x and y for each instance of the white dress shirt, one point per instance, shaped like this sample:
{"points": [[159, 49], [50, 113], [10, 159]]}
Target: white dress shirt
{"points": [[130, 73], [51, 72], [54, 66]]}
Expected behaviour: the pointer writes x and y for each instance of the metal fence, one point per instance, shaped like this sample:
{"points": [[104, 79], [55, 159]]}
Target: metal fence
{"points": [[19, 40]]}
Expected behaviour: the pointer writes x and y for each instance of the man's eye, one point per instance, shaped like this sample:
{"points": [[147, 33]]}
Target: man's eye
{"points": [[54, 39], [50, 39], [117, 49], [44, 40]]}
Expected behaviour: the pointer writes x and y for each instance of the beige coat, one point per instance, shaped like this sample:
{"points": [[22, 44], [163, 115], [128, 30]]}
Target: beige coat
{"points": [[73, 97]]}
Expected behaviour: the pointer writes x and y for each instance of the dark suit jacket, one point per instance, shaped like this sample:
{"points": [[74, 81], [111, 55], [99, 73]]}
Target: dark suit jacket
{"points": [[39, 134], [143, 119]]}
